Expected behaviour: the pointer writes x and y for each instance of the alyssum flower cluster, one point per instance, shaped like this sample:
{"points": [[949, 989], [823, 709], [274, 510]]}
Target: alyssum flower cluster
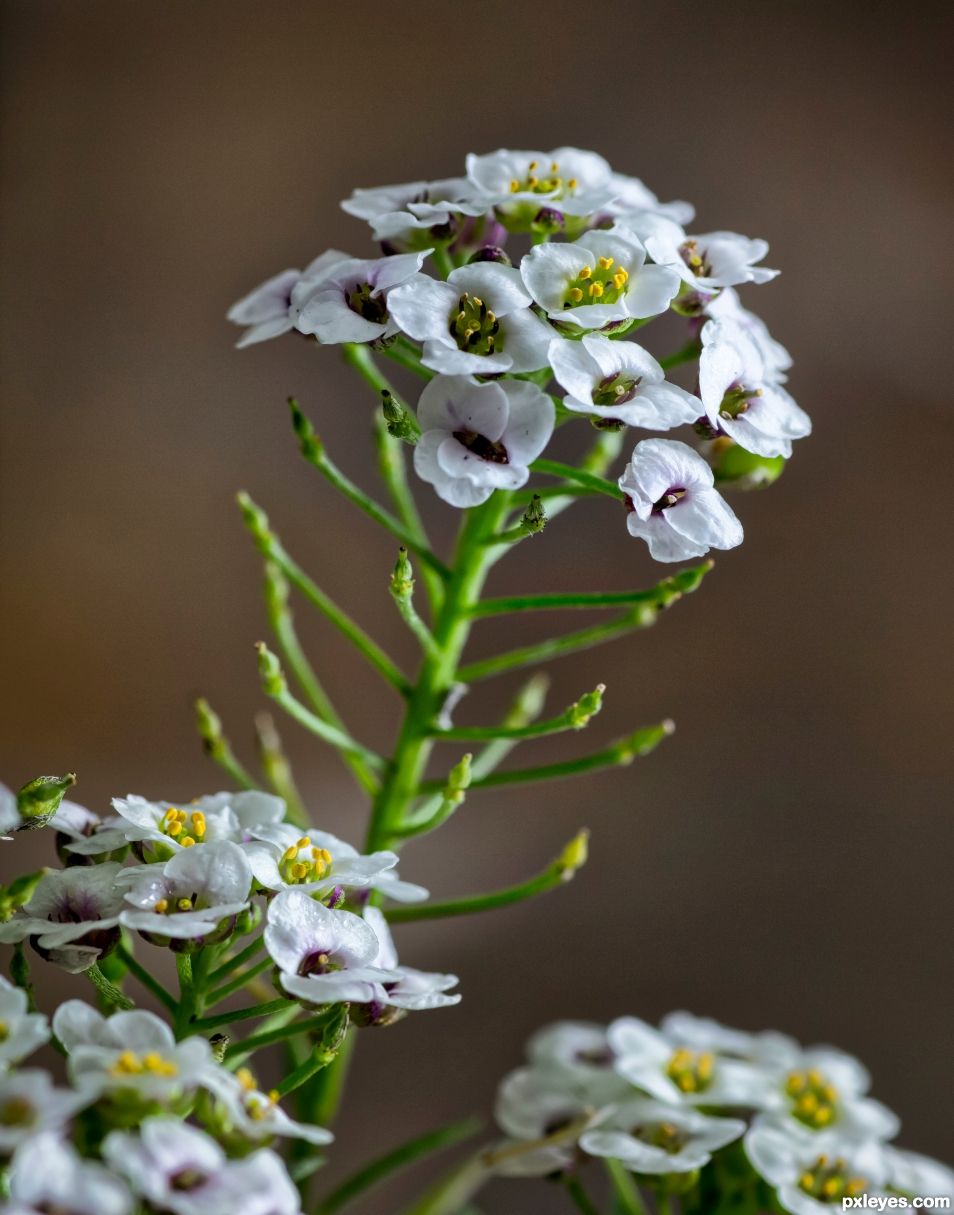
{"points": [[510, 297]]}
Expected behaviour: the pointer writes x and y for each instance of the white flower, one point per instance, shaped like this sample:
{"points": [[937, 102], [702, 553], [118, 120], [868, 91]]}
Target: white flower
{"points": [[581, 1051], [272, 308], [415, 211], [820, 1088], [178, 1168], [598, 280], [21, 1031], [255, 1114], [705, 262], [316, 862], [776, 361], [197, 893], [660, 1065], [655, 1138], [519, 184], [160, 829], [407, 988], [30, 1102], [536, 1103], [913, 1175], [703, 1034], [130, 1053], [480, 437], [632, 197], [620, 381], [812, 1178], [324, 956], [46, 1175], [73, 916], [479, 322], [349, 302], [675, 508], [740, 398]]}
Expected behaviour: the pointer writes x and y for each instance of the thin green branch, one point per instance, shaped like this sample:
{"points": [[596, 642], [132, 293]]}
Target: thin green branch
{"points": [[685, 354], [665, 592], [217, 746], [619, 754], [582, 1200], [560, 870], [569, 472], [323, 1053], [239, 959], [277, 1033], [407, 355], [282, 622], [276, 686], [402, 592], [394, 1161], [271, 548], [315, 453], [238, 981], [628, 1198], [109, 993], [138, 971], [641, 615], [575, 717], [242, 1014]]}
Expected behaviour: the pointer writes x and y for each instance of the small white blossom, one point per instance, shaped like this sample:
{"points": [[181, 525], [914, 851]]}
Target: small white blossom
{"points": [[655, 1138], [21, 1031], [324, 956], [812, 1178], [178, 1168], [671, 1072], [581, 1051], [538, 1103], [407, 988], [480, 437], [254, 1114], [349, 302], [705, 262], [131, 1053], [72, 916], [601, 279], [675, 507], [479, 322], [317, 862], [820, 1088], [46, 1175], [272, 308], [519, 184], [632, 197], [776, 361], [703, 1034], [411, 213], [739, 397], [161, 829], [195, 894], [31, 1102], [620, 381]]}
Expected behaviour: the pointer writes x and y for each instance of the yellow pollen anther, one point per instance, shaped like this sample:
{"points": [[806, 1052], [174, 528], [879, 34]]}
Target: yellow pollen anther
{"points": [[304, 842], [299, 871], [184, 904], [576, 294], [596, 290], [606, 262], [807, 1181], [585, 273], [815, 1077], [533, 181], [273, 1095], [127, 1064], [572, 183], [187, 841], [290, 853], [491, 317], [533, 165], [830, 1188], [174, 828], [161, 905], [514, 186], [807, 1103]]}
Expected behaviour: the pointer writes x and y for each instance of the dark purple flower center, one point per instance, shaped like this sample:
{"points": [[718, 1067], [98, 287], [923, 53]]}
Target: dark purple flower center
{"points": [[672, 495], [480, 445], [362, 300]]}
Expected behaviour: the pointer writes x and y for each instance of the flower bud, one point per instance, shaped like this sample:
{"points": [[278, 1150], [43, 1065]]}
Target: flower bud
{"points": [[574, 856], [270, 669], [736, 468], [586, 707], [400, 423], [549, 220], [40, 799], [534, 518], [490, 253]]}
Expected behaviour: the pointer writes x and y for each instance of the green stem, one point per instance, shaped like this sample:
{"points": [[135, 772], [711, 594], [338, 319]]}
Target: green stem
{"points": [[241, 1014], [217, 746], [574, 1187], [569, 472], [270, 546], [238, 959], [322, 1055], [281, 619], [407, 355], [326, 1097], [684, 354], [442, 260], [239, 981], [556, 600], [629, 1199], [109, 992], [394, 1161], [556, 873], [276, 1033], [139, 972], [575, 717]]}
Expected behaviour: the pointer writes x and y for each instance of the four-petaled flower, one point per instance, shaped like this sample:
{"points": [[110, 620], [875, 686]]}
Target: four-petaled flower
{"points": [[272, 308], [651, 1137], [349, 301]]}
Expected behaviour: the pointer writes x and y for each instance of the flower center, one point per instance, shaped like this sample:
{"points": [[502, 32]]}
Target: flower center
{"points": [[187, 1179], [480, 445], [672, 495], [17, 1111], [129, 1063], [603, 283], [662, 1135], [814, 1099], [257, 1105], [695, 258], [691, 1070], [549, 183], [596, 1056], [737, 400], [828, 1182], [319, 962], [615, 389], [303, 862], [185, 829], [361, 300], [173, 906], [474, 327]]}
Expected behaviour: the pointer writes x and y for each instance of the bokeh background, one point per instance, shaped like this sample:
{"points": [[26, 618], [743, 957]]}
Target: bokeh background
{"points": [[785, 859]]}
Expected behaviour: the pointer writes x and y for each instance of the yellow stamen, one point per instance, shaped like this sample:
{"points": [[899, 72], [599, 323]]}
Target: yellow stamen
{"points": [[606, 262], [585, 273], [162, 906], [596, 290], [576, 294], [187, 841], [304, 842]]}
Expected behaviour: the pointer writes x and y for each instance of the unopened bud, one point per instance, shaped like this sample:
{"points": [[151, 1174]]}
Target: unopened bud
{"points": [[586, 707], [270, 669], [736, 468], [534, 518], [402, 579], [40, 799], [491, 253], [309, 442], [574, 856], [400, 423], [548, 219]]}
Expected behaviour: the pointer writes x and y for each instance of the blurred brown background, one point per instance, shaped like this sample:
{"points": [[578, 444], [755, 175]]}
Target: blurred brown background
{"points": [[785, 859]]}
